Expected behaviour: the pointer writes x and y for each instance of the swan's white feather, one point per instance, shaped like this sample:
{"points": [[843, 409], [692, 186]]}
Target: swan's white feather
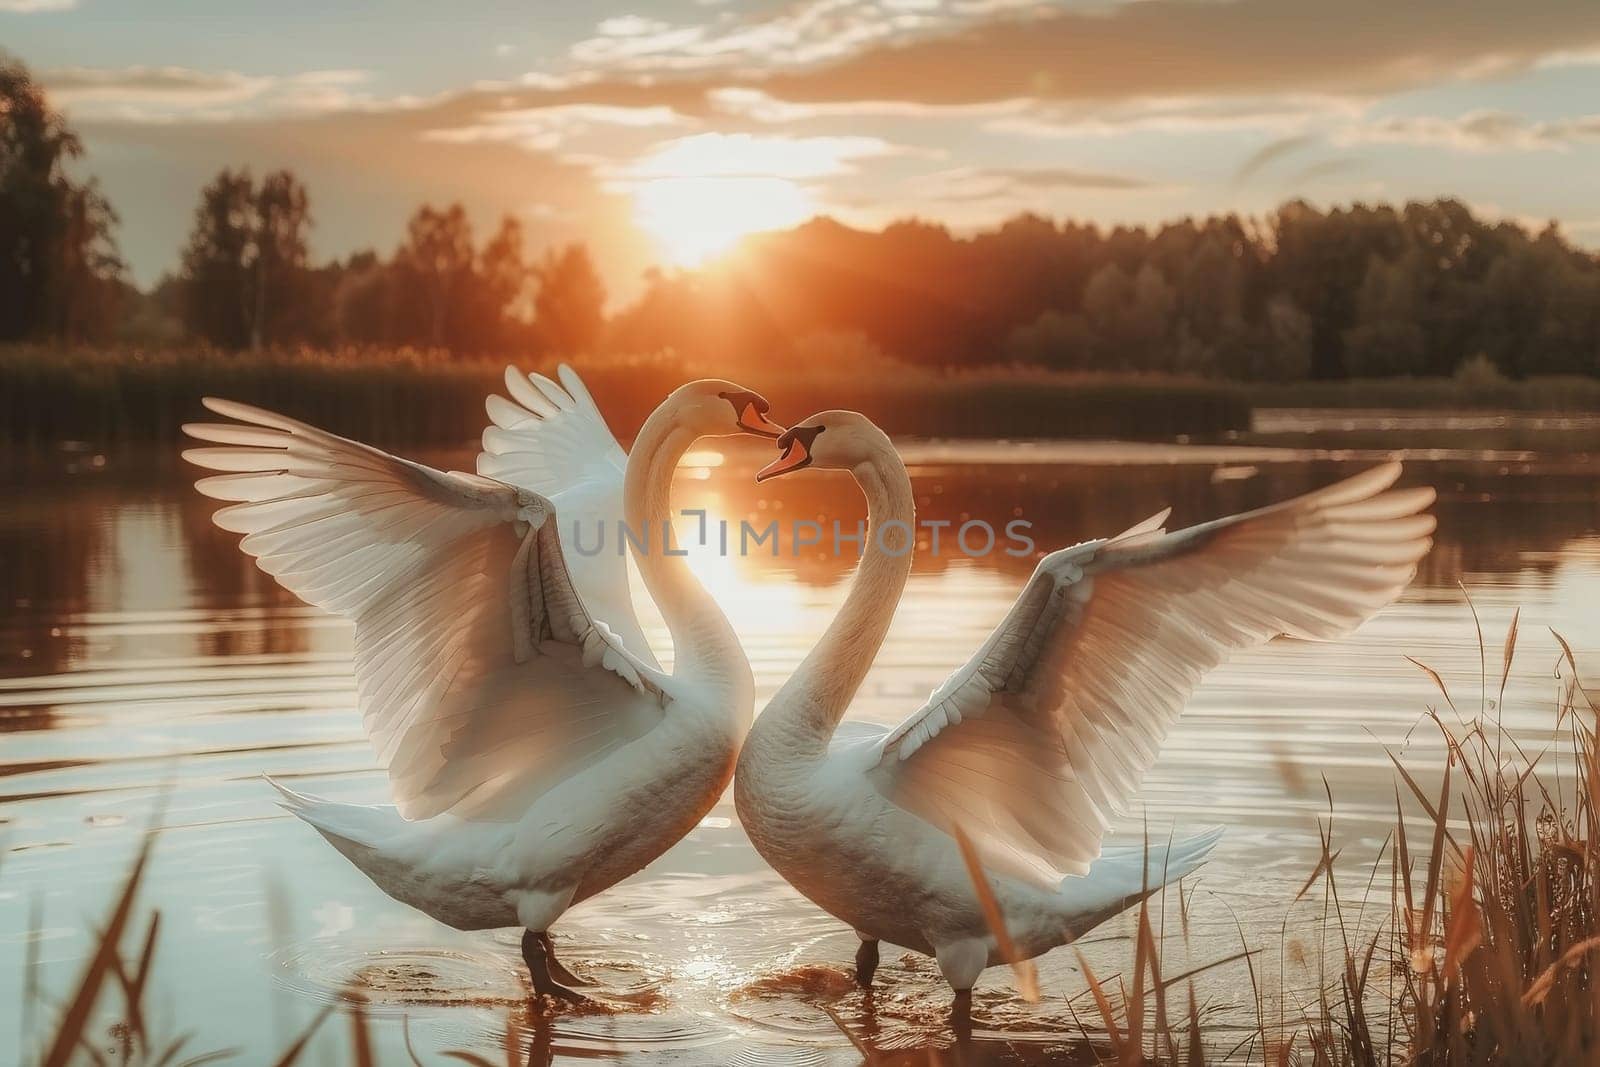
{"points": [[551, 439], [483, 679], [1049, 729]]}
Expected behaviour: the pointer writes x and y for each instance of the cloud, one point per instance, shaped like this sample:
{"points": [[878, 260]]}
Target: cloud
{"points": [[34, 7], [759, 106], [150, 85], [1041, 120], [614, 109], [1180, 48], [1020, 185], [805, 32], [727, 155], [1154, 64], [631, 26], [140, 93], [1479, 131], [1269, 154], [562, 126], [1165, 64], [1327, 168], [1062, 178]]}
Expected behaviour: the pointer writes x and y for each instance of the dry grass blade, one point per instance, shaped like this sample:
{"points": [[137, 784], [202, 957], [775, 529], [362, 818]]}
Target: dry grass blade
{"points": [[1540, 988], [1422, 798], [1103, 1003], [405, 1037], [1466, 924], [1324, 863], [1242, 954], [1508, 653], [1197, 1049], [70, 1032], [1420, 949], [360, 1036], [293, 1053], [1133, 1005], [1577, 681], [1438, 681], [174, 1050], [468, 1057], [1027, 974], [133, 985]]}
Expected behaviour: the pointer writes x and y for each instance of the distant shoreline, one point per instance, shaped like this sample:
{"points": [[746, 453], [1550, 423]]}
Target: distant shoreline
{"points": [[106, 397]]}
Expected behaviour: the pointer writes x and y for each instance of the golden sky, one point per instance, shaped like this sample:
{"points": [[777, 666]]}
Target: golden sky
{"points": [[662, 131]]}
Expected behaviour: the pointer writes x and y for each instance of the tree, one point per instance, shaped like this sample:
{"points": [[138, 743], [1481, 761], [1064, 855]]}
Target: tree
{"points": [[245, 263], [60, 274], [1386, 339], [362, 300], [1320, 261], [282, 216], [1131, 316], [569, 311], [435, 268], [217, 293], [502, 290], [1057, 340]]}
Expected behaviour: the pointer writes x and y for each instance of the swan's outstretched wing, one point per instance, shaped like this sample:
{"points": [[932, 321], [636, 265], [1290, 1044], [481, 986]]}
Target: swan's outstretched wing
{"points": [[483, 679], [552, 439], [1050, 727]]}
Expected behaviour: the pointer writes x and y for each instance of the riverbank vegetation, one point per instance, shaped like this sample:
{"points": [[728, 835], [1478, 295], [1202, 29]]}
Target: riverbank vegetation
{"points": [[1488, 951], [407, 397], [110, 397]]}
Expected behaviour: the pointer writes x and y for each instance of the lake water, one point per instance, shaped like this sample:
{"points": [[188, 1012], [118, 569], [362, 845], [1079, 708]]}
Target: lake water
{"points": [[142, 654]]}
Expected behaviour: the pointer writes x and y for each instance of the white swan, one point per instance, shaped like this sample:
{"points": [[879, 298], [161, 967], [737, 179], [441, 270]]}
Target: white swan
{"points": [[1049, 727], [536, 752]]}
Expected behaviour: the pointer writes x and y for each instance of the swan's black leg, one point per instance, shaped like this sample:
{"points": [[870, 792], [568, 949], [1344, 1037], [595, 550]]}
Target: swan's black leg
{"points": [[961, 1015], [536, 954], [866, 962], [557, 970]]}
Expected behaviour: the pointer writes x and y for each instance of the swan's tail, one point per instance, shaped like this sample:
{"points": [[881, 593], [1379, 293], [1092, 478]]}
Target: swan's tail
{"points": [[1126, 874], [354, 829]]}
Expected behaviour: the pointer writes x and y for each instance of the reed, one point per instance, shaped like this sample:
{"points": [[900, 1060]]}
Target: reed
{"points": [[112, 397], [1491, 953], [109, 398]]}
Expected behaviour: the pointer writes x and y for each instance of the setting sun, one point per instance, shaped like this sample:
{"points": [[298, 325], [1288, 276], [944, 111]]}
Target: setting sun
{"points": [[693, 219], [698, 195]]}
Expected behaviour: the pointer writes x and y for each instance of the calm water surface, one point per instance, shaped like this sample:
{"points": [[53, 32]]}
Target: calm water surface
{"points": [[141, 652]]}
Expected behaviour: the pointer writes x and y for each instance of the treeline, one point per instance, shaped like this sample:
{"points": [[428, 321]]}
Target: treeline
{"points": [[245, 282], [1358, 292], [60, 275]]}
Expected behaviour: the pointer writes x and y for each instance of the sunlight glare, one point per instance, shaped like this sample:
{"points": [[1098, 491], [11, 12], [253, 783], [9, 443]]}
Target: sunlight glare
{"points": [[696, 218]]}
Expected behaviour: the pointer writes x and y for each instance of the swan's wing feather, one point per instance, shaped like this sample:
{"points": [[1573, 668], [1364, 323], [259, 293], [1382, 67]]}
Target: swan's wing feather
{"points": [[482, 677], [550, 438], [1049, 729]]}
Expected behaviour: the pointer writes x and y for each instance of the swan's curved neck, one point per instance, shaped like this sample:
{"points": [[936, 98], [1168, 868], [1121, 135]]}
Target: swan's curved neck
{"points": [[808, 708], [705, 648]]}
